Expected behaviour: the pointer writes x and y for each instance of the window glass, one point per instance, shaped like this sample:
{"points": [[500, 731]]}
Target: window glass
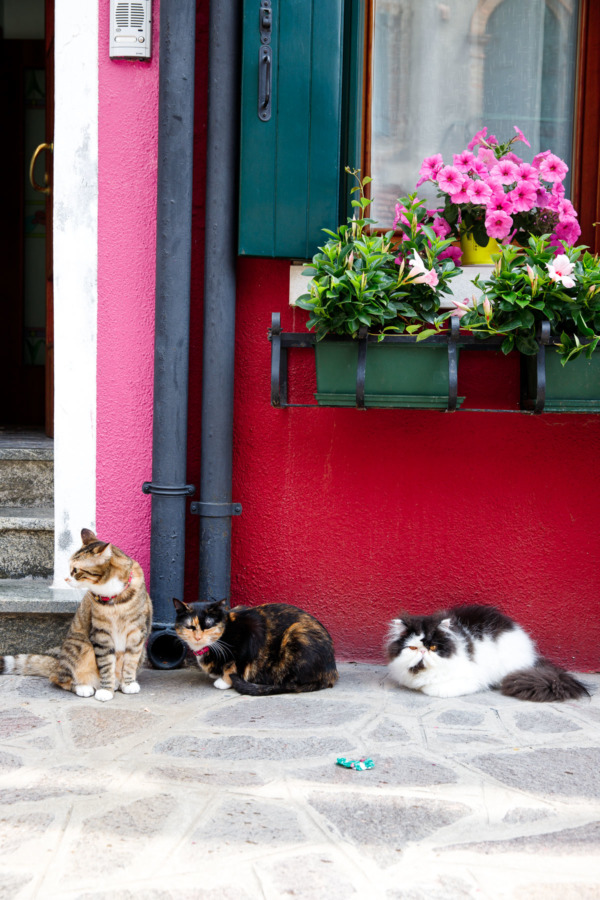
{"points": [[443, 70]]}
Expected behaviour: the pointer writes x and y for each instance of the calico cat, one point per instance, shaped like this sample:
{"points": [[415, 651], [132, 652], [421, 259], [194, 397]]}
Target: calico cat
{"points": [[105, 642], [269, 649], [472, 648]]}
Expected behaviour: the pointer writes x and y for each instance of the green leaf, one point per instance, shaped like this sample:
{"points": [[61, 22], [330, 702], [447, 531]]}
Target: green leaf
{"points": [[428, 332]]}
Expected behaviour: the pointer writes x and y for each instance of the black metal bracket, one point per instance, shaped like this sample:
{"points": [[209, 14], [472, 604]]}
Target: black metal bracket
{"points": [[281, 341], [266, 21], [169, 490], [535, 404], [215, 510]]}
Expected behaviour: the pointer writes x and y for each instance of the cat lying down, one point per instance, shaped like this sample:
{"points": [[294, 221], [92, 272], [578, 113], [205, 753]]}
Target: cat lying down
{"points": [[473, 648], [270, 649]]}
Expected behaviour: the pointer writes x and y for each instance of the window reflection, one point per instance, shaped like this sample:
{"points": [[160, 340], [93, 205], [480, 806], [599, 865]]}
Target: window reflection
{"points": [[442, 70]]}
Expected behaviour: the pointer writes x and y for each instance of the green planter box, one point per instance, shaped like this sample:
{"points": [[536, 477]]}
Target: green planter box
{"points": [[571, 388], [397, 375]]}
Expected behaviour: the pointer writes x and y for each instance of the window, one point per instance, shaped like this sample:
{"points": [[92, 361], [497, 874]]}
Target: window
{"points": [[433, 73], [442, 70]]}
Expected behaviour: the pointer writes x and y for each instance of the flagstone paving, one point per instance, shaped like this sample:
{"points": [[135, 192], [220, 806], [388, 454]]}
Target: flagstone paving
{"points": [[183, 791]]}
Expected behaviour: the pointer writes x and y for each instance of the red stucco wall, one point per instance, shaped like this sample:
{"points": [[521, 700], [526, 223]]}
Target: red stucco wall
{"points": [[355, 515]]}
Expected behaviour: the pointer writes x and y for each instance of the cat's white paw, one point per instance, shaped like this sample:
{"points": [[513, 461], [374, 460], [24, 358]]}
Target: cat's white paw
{"points": [[102, 694], [84, 690], [131, 688], [221, 684]]}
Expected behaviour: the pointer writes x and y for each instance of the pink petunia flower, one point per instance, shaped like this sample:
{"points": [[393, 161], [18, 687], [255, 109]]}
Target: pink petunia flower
{"points": [[541, 197], [520, 136], [506, 171], [512, 157], [566, 209], [561, 270], [441, 227], [487, 157], [498, 224], [478, 167], [461, 195], [430, 167], [500, 201], [558, 191], [528, 173], [478, 138], [523, 197], [478, 192], [453, 253], [552, 168], [538, 158], [449, 179], [463, 161], [400, 216], [567, 230]]}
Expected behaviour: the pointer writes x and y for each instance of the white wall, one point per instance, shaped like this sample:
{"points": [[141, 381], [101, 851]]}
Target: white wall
{"points": [[75, 274]]}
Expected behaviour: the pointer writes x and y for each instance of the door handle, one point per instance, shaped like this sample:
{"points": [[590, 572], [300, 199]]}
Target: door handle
{"points": [[46, 189], [264, 83]]}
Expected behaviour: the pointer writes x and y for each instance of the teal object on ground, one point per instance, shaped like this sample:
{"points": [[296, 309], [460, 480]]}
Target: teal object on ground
{"points": [[359, 764], [397, 375]]}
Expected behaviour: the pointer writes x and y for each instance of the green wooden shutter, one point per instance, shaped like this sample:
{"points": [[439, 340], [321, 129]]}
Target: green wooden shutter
{"points": [[291, 166]]}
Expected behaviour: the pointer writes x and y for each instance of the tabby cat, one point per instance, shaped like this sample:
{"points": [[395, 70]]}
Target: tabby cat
{"points": [[105, 642], [473, 648], [270, 649]]}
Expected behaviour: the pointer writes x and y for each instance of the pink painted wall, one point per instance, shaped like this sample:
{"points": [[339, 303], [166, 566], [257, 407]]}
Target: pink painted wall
{"points": [[127, 168]]}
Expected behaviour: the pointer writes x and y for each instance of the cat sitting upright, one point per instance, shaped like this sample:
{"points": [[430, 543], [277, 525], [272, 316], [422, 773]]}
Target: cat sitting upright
{"points": [[270, 649], [106, 638], [472, 648]]}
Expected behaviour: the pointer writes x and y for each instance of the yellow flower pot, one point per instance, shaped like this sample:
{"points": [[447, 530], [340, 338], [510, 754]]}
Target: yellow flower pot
{"points": [[475, 255]]}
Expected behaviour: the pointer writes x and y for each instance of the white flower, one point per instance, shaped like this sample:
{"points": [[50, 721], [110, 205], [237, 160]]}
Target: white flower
{"points": [[561, 270]]}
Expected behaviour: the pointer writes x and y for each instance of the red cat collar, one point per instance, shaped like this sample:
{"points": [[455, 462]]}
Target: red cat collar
{"points": [[114, 596], [200, 652]]}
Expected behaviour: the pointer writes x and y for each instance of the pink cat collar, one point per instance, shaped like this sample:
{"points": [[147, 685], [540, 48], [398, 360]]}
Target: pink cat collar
{"points": [[114, 596], [200, 652]]}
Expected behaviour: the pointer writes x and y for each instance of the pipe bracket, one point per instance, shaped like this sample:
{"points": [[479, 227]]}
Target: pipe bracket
{"points": [[169, 490], [215, 510]]}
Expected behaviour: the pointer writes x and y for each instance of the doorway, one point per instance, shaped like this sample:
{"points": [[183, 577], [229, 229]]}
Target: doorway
{"points": [[26, 303]]}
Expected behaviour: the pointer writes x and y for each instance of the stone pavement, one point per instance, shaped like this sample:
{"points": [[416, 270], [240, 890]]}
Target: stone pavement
{"points": [[187, 792]]}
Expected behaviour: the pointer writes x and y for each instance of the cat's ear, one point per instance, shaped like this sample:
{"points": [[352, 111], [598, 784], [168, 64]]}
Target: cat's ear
{"points": [[446, 623], [397, 628], [87, 536], [220, 605], [180, 606]]}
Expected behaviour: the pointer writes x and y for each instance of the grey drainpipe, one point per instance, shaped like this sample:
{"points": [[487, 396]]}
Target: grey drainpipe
{"points": [[171, 347], [215, 508]]}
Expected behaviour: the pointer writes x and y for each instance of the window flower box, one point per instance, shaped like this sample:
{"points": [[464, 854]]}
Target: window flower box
{"points": [[391, 374]]}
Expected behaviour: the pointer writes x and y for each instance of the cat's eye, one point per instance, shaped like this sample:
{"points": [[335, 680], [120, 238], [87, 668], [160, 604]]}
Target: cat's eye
{"points": [[433, 646], [413, 648]]}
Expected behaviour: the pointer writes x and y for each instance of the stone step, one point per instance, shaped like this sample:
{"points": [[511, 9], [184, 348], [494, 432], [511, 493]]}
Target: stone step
{"points": [[26, 477], [26, 542], [33, 616]]}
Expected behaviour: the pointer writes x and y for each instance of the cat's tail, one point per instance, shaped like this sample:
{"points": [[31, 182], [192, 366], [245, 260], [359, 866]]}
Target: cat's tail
{"points": [[542, 683], [28, 664], [260, 690]]}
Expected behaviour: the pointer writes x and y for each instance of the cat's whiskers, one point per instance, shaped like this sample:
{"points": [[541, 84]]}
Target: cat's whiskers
{"points": [[222, 650]]}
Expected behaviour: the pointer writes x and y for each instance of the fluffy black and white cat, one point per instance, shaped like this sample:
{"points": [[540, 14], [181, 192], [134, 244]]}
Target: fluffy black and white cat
{"points": [[473, 648]]}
